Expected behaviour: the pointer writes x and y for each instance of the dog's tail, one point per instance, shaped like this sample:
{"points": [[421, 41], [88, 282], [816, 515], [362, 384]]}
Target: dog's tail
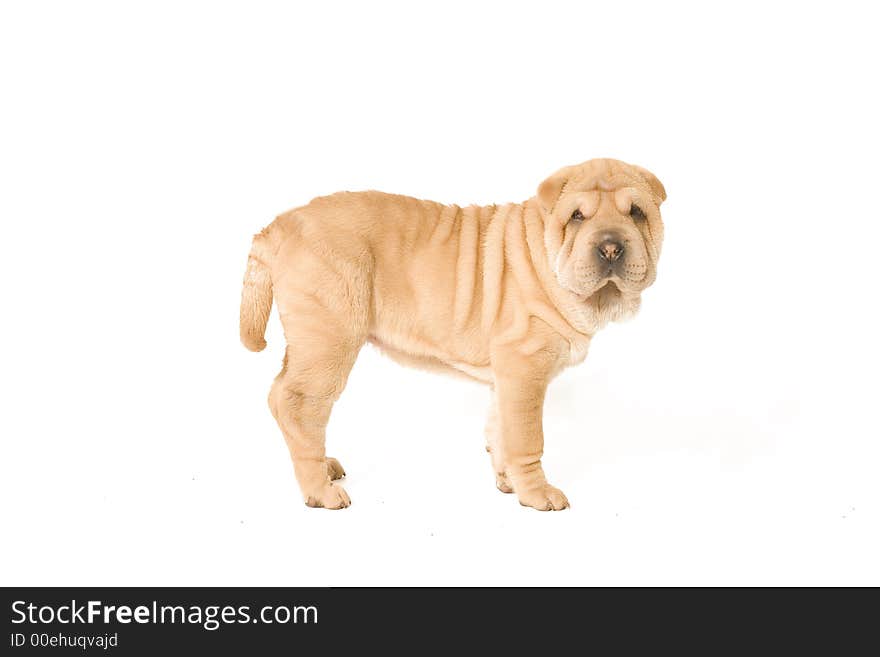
{"points": [[256, 294]]}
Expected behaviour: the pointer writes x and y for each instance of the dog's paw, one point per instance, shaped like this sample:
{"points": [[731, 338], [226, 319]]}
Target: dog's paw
{"points": [[334, 468], [502, 483], [331, 496], [546, 498]]}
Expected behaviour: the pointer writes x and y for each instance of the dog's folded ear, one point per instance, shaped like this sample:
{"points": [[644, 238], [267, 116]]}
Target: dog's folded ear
{"points": [[653, 182], [550, 190]]}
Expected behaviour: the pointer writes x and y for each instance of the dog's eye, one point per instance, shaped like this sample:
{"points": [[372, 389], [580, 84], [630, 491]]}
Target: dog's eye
{"points": [[577, 215], [636, 213]]}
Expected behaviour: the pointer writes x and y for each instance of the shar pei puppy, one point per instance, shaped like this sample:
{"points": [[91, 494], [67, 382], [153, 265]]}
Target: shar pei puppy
{"points": [[508, 295]]}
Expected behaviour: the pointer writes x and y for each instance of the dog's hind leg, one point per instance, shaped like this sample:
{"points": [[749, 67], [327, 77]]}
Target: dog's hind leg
{"points": [[324, 336], [301, 400]]}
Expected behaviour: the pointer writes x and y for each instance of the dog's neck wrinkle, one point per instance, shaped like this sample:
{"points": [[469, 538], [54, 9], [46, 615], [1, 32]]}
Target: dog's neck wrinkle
{"points": [[558, 298], [519, 254]]}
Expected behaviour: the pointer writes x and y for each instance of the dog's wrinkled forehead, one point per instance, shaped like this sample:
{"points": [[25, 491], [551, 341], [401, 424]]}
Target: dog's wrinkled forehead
{"points": [[602, 175], [597, 175]]}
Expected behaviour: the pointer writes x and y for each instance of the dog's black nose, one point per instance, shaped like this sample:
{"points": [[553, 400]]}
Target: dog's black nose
{"points": [[610, 250]]}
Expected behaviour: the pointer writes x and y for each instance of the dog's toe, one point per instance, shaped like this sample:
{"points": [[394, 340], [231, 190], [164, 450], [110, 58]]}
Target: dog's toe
{"points": [[331, 496], [546, 498]]}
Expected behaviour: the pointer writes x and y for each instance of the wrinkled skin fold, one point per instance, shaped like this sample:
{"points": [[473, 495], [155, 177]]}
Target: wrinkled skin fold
{"points": [[508, 295]]}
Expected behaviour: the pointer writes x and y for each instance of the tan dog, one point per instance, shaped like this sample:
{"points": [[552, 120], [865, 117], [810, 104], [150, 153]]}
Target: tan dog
{"points": [[508, 295]]}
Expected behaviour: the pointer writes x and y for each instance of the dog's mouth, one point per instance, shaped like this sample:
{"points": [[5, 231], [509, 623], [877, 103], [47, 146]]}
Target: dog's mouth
{"points": [[607, 295]]}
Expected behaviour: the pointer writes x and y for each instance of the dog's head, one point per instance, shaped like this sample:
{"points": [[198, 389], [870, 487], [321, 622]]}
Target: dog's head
{"points": [[602, 233]]}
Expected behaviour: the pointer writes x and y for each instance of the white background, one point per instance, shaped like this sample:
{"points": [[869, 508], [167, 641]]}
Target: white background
{"points": [[727, 435]]}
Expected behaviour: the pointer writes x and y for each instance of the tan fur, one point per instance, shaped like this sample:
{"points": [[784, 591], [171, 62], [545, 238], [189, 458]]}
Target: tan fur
{"points": [[507, 295]]}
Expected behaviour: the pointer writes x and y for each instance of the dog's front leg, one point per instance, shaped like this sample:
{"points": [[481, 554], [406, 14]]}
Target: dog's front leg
{"points": [[520, 385], [495, 448]]}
